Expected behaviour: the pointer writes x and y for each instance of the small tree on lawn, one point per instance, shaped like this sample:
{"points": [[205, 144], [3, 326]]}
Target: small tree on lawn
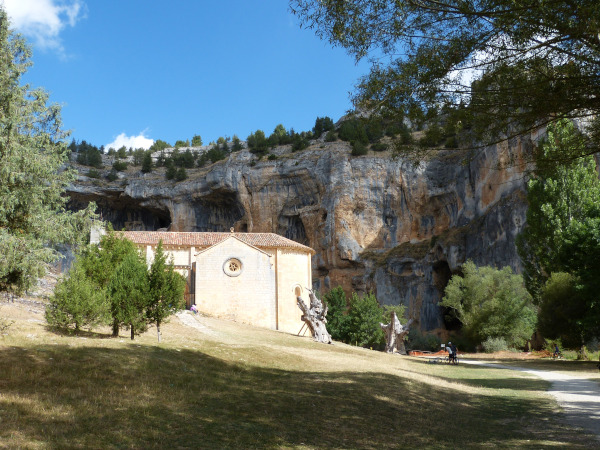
{"points": [[491, 303], [128, 291], [337, 318], [77, 301], [101, 261], [166, 290], [364, 318]]}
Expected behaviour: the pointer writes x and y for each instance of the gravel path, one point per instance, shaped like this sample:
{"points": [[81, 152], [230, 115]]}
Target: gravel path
{"points": [[579, 398]]}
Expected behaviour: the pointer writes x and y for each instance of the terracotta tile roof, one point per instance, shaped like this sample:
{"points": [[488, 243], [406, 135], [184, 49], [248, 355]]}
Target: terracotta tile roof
{"points": [[208, 239]]}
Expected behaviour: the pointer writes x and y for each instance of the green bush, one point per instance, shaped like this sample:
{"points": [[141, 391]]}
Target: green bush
{"points": [[77, 302], [379, 147], [494, 344], [419, 341], [93, 173], [432, 137], [358, 148], [180, 174], [337, 305], [330, 136], [491, 303], [353, 130], [322, 124], [364, 317], [112, 175], [272, 157], [120, 166], [451, 142]]}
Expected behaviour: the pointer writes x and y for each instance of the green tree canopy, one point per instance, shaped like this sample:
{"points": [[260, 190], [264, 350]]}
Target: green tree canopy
{"points": [[33, 177], [514, 65], [491, 303], [197, 141], [562, 232], [364, 317]]}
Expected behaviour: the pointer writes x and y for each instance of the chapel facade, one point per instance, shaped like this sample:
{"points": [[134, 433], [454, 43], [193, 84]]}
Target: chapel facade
{"points": [[252, 278]]}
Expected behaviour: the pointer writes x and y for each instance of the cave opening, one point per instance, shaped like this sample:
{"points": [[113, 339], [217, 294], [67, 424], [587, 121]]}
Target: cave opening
{"points": [[441, 277]]}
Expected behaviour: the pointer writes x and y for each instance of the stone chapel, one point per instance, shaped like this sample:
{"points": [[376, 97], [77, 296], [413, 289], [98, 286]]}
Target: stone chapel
{"points": [[252, 278]]}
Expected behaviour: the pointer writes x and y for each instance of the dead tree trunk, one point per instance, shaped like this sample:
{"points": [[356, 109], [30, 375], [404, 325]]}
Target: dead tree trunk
{"points": [[315, 317], [394, 334]]}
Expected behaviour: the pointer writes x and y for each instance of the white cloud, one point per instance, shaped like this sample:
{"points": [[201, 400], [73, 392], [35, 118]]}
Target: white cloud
{"points": [[43, 20], [139, 141]]}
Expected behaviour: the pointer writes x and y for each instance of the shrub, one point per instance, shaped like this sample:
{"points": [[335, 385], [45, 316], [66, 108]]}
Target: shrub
{"points": [[147, 163], [337, 323], [379, 147], [180, 174], [93, 173], [119, 166], [358, 148], [432, 137], [491, 303], [419, 341], [364, 317], [451, 142], [322, 124], [494, 344], [171, 170], [299, 142], [112, 175], [272, 157], [353, 130], [330, 136], [76, 302]]}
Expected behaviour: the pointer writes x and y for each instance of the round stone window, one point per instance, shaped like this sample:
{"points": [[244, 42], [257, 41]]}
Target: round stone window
{"points": [[232, 267]]}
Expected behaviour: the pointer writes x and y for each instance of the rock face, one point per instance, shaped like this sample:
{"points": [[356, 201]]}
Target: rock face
{"points": [[376, 222]]}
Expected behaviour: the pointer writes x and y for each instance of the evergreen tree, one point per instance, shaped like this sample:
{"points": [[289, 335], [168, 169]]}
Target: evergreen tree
{"points": [[128, 291], [337, 317], [147, 163], [196, 141], [99, 262], [166, 290], [77, 301], [33, 179], [236, 144], [364, 317]]}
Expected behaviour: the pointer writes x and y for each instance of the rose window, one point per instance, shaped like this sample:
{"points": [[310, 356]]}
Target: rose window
{"points": [[232, 267]]}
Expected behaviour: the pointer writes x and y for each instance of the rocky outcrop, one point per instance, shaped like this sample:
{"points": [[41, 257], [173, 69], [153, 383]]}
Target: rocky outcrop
{"points": [[376, 222]]}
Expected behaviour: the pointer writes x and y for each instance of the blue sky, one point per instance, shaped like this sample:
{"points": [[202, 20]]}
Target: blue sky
{"points": [[132, 69]]}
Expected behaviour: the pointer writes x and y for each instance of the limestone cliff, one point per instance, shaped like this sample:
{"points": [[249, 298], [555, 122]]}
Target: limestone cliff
{"points": [[376, 222]]}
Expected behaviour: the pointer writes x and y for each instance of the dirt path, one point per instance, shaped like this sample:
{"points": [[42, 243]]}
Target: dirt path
{"points": [[579, 398]]}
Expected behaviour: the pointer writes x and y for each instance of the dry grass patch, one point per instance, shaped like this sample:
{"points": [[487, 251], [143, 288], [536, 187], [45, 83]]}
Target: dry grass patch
{"points": [[235, 386]]}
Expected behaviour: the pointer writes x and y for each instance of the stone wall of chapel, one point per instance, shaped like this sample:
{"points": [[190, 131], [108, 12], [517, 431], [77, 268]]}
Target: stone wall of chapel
{"points": [[182, 256], [293, 271], [248, 297]]}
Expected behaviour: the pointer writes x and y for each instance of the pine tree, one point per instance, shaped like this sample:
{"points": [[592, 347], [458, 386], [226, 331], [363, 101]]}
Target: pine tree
{"points": [[33, 152], [166, 290], [128, 291]]}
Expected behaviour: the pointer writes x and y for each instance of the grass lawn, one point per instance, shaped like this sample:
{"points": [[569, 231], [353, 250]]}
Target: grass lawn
{"points": [[228, 385]]}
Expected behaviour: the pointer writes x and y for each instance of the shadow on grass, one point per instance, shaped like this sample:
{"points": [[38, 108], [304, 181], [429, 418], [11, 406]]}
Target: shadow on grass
{"points": [[70, 332], [144, 397]]}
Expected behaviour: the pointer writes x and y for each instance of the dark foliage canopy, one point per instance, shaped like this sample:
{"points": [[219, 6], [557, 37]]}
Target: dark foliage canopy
{"points": [[507, 66]]}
